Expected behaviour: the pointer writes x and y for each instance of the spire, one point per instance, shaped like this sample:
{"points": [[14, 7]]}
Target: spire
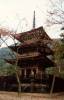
{"points": [[34, 20]]}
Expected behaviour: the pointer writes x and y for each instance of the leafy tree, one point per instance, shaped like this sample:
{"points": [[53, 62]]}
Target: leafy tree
{"points": [[59, 59], [6, 33], [56, 17], [57, 54]]}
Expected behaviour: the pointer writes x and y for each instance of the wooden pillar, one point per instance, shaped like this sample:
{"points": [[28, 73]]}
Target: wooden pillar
{"points": [[34, 72], [20, 72], [25, 72], [41, 75], [32, 79], [37, 70], [37, 73]]}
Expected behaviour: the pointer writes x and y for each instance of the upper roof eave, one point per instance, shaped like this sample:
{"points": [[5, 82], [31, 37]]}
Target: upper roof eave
{"points": [[37, 32]]}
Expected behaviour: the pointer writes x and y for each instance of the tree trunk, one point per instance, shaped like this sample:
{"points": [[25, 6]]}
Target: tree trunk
{"points": [[52, 87], [19, 83]]}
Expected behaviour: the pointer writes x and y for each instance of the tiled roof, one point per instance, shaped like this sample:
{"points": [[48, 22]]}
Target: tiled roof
{"points": [[37, 33]]}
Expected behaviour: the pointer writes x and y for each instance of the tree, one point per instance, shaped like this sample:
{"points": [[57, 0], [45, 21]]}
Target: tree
{"points": [[57, 54], [58, 58], [6, 33], [56, 13], [56, 16]]}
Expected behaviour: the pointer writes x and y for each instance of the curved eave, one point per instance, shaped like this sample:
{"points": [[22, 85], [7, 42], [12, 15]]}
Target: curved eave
{"points": [[39, 32], [40, 61], [23, 48]]}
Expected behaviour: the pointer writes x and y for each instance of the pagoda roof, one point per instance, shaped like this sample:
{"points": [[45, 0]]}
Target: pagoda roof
{"points": [[38, 33], [29, 55], [24, 45], [44, 61], [25, 48]]}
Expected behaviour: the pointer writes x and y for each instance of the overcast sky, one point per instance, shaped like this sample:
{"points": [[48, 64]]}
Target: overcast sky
{"points": [[11, 11], [18, 15]]}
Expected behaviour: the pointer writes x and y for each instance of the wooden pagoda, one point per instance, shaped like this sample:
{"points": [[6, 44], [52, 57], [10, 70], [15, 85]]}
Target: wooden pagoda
{"points": [[34, 55]]}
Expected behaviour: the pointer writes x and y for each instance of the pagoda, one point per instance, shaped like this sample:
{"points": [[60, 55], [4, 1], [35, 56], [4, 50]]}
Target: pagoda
{"points": [[33, 56]]}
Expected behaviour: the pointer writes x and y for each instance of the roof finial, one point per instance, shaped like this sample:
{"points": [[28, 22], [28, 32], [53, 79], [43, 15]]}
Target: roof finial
{"points": [[34, 20]]}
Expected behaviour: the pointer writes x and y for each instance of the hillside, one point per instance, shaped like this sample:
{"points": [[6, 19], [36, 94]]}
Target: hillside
{"points": [[6, 53], [6, 68]]}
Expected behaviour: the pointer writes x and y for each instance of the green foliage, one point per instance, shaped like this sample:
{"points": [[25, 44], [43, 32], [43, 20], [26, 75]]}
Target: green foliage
{"points": [[58, 58], [62, 45], [58, 52], [6, 69]]}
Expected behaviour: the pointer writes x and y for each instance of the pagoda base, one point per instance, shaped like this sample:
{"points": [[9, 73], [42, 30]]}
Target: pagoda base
{"points": [[9, 83]]}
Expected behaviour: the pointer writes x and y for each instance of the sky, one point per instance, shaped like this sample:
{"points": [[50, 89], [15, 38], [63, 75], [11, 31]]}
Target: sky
{"points": [[18, 15], [13, 11]]}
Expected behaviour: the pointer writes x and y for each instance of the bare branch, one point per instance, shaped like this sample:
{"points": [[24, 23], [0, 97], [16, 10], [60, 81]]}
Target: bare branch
{"points": [[56, 14]]}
